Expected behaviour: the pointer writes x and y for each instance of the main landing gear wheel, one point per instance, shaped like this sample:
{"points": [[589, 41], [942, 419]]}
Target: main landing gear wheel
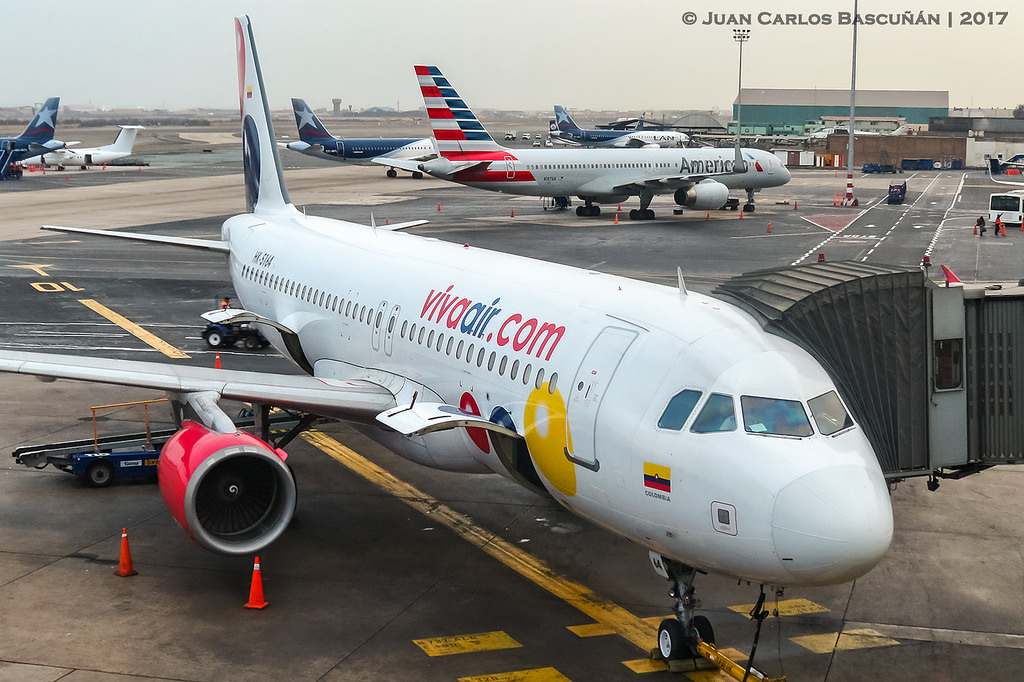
{"points": [[590, 211], [416, 175], [748, 208], [641, 214], [392, 173]]}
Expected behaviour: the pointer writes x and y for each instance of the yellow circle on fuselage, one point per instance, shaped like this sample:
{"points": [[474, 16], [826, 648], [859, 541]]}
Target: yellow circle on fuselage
{"points": [[547, 437]]}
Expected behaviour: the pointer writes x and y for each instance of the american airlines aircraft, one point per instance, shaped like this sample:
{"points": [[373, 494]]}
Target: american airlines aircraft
{"points": [[697, 178], [89, 156], [667, 417], [315, 140], [565, 130]]}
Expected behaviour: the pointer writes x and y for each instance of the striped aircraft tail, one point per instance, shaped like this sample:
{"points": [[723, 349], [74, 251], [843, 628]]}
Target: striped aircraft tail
{"points": [[311, 130], [41, 128], [457, 130]]}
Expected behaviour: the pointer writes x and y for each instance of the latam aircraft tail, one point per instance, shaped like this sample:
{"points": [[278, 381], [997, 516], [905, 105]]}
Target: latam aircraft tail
{"points": [[264, 184], [456, 128], [41, 128], [563, 120], [311, 130]]}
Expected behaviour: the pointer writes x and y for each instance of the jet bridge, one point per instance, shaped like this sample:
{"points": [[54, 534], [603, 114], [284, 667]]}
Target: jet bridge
{"points": [[927, 371]]}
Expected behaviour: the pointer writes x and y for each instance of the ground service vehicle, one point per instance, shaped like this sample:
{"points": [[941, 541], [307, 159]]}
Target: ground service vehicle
{"points": [[1007, 206]]}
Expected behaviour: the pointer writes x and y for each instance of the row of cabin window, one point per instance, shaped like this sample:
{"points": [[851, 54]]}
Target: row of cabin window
{"points": [[448, 345], [334, 304], [564, 166], [355, 311]]}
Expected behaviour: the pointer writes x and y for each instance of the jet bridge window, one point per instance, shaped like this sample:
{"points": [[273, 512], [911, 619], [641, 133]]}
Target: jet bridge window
{"points": [[949, 371], [829, 414], [678, 410], [718, 414], [774, 416]]}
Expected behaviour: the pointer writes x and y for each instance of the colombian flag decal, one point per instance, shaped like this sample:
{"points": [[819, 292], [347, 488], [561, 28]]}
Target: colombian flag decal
{"points": [[248, 92], [657, 477]]}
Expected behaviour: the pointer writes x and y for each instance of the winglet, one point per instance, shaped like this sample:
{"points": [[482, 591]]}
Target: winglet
{"points": [[950, 277], [682, 285]]}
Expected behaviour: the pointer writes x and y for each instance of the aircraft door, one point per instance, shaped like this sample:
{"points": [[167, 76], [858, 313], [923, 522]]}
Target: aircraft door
{"points": [[389, 331], [88, 159], [510, 168], [341, 149], [377, 322], [587, 391]]}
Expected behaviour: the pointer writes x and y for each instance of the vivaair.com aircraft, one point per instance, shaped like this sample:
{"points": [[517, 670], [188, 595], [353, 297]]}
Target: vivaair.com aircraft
{"points": [[696, 178], [665, 416], [89, 156]]}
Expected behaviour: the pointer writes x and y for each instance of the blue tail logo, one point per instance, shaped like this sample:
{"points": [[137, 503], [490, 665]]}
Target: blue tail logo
{"points": [[42, 126]]}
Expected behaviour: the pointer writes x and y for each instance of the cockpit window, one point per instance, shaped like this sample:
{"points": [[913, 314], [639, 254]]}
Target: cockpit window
{"points": [[829, 413], [716, 415], [774, 416], [678, 410]]}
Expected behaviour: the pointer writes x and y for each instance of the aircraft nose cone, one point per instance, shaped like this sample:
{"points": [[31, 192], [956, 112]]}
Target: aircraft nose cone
{"points": [[832, 525]]}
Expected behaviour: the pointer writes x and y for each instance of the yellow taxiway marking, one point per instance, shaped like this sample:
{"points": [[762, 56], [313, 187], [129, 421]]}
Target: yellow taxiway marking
{"points": [[38, 268], [536, 675], [645, 665], [863, 638], [463, 644], [621, 621], [599, 629], [132, 328], [787, 607]]}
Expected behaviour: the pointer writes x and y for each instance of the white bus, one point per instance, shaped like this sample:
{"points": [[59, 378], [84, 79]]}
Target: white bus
{"points": [[1007, 206]]}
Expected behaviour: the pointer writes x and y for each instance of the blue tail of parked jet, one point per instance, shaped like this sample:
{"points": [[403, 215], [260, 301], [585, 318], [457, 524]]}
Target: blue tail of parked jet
{"points": [[311, 130], [563, 120], [42, 126]]}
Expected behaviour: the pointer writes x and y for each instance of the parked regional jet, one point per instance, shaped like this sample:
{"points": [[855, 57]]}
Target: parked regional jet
{"points": [[38, 137], [88, 156], [316, 141], [667, 417], [565, 130], [697, 178]]}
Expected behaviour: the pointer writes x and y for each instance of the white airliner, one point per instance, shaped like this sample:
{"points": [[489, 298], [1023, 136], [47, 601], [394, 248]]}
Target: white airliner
{"points": [[665, 416], [697, 178], [89, 156]]}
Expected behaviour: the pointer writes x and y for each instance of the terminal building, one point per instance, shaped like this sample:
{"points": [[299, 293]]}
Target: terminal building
{"points": [[764, 111]]}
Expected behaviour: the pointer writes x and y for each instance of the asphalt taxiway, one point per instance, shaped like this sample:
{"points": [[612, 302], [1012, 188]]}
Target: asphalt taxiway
{"points": [[435, 578]]}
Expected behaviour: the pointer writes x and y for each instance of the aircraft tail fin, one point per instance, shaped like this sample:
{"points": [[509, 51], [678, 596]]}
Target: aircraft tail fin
{"points": [[311, 130], [564, 121], [264, 183], [124, 141], [40, 129], [457, 130]]}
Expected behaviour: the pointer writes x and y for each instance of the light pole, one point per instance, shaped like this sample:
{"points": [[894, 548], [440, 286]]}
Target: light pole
{"points": [[740, 35], [850, 201]]}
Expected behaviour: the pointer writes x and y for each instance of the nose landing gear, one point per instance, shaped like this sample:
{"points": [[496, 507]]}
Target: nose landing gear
{"points": [[678, 637]]}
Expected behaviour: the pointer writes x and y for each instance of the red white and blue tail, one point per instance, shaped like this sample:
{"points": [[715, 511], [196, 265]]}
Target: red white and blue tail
{"points": [[264, 185], [457, 130]]}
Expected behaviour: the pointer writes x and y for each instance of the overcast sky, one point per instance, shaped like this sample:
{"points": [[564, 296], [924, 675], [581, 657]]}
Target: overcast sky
{"points": [[527, 54]]}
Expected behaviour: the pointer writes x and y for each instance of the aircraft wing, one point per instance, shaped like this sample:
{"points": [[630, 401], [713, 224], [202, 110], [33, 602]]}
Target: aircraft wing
{"points": [[353, 400], [206, 244], [401, 164]]}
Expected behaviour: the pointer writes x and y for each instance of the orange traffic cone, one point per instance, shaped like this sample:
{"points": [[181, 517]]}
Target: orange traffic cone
{"points": [[125, 568], [256, 589], [512, 214], [619, 208], [741, 215], [708, 216], [216, 361], [439, 206], [794, 204], [769, 228], [616, 218], [385, 221], [976, 228]]}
